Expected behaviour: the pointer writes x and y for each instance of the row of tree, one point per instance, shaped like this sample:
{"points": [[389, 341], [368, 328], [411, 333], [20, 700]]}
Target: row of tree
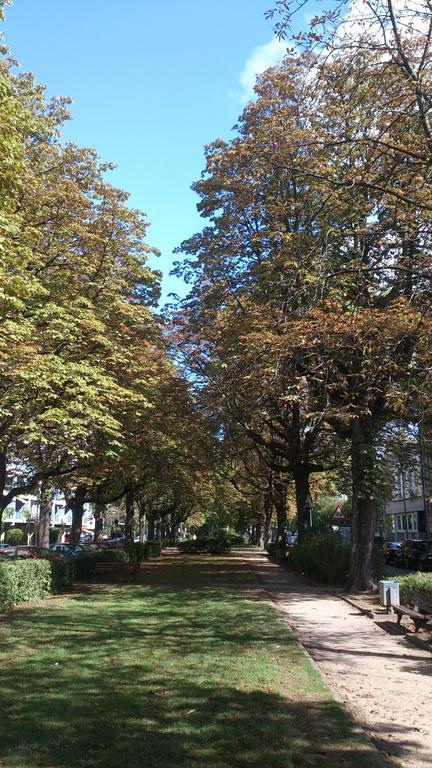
{"points": [[90, 401], [308, 322]]}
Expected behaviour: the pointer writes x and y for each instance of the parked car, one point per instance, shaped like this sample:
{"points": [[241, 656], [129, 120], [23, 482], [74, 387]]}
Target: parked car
{"points": [[18, 553], [39, 553], [112, 543], [425, 559], [64, 550], [411, 551], [391, 551]]}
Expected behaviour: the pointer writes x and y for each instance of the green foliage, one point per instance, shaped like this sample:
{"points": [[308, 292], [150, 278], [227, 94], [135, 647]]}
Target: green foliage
{"points": [[136, 551], [277, 550], [321, 557], [206, 545], [23, 580], [85, 565], [62, 574], [53, 535], [414, 582], [153, 548], [14, 536]]}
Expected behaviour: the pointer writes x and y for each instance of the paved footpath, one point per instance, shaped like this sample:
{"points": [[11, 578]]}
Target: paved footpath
{"points": [[384, 681]]}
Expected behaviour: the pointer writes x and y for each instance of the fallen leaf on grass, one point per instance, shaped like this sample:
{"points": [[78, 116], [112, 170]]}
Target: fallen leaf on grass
{"points": [[189, 712], [160, 693]]}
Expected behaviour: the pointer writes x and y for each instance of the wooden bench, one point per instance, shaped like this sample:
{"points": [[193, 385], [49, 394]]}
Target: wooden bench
{"points": [[419, 619], [117, 566]]}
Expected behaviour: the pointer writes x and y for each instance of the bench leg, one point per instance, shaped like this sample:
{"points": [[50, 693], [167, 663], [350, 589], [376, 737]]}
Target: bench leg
{"points": [[419, 623], [399, 616]]}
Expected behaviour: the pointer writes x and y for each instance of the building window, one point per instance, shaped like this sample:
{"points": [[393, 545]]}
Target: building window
{"points": [[412, 521], [400, 523]]}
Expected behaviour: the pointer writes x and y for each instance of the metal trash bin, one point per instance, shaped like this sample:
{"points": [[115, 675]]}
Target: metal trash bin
{"points": [[389, 592]]}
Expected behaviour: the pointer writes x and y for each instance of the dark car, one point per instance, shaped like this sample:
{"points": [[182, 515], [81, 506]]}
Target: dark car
{"points": [[63, 550], [425, 559], [411, 552], [391, 551]]}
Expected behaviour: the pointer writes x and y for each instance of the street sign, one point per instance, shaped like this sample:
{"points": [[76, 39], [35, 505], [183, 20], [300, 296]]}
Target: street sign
{"points": [[338, 516]]}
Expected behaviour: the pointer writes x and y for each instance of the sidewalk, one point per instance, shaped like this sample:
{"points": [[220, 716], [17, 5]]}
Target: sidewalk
{"points": [[384, 681]]}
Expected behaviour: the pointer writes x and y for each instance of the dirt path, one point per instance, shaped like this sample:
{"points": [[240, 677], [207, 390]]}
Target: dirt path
{"points": [[385, 682]]}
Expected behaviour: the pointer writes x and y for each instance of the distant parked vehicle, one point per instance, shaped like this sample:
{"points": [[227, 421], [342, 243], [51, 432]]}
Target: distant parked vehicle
{"points": [[85, 548], [19, 553], [411, 552], [22, 552], [425, 559], [391, 551], [63, 550]]}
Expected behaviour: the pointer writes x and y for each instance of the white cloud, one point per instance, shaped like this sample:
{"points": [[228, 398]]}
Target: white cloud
{"points": [[261, 58]]}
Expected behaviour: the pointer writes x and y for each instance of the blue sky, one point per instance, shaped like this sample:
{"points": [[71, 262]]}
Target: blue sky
{"points": [[152, 83]]}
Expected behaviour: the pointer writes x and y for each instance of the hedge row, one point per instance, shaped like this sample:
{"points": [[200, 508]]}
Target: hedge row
{"points": [[321, 557], [414, 582], [23, 580], [212, 546]]}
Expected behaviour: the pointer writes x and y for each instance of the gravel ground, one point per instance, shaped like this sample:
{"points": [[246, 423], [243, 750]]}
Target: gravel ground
{"points": [[383, 680]]}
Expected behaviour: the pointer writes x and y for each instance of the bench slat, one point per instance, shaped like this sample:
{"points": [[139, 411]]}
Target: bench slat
{"points": [[419, 619], [117, 567]]}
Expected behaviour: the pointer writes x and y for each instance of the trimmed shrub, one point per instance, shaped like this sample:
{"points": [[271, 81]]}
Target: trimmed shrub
{"points": [[136, 551], [23, 580], [85, 565], [153, 548], [205, 546], [219, 547], [14, 536], [194, 546], [54, 535], [277, 550], [414, 582], [321, 557], [62, 574]]}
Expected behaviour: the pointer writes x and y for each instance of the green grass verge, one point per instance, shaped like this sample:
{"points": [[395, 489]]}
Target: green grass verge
{"points": [[189, 669]]}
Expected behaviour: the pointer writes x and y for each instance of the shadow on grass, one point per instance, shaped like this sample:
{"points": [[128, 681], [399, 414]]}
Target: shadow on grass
{"points": [[97, 721], [158, 675]]}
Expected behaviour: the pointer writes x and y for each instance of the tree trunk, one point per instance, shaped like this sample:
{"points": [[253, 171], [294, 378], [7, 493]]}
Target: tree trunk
{"points": [[364, 505], [45, 508], [302, 492], [150, 526], [142, 519], [279, 501], [99, 521], [268, 509], [129, 514], [76, 503], [3, 478]]}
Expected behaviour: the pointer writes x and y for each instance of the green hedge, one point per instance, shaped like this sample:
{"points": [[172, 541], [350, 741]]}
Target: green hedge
{"points": [[136, 551], [321, 557], [205, 545], [85, 565], [62, 574], [14, 536], [153, 548], [413, 582], [277, 550], [24, 580]]}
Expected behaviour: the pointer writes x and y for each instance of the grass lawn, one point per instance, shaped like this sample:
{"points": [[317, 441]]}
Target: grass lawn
{"points": [[189, 668]]}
